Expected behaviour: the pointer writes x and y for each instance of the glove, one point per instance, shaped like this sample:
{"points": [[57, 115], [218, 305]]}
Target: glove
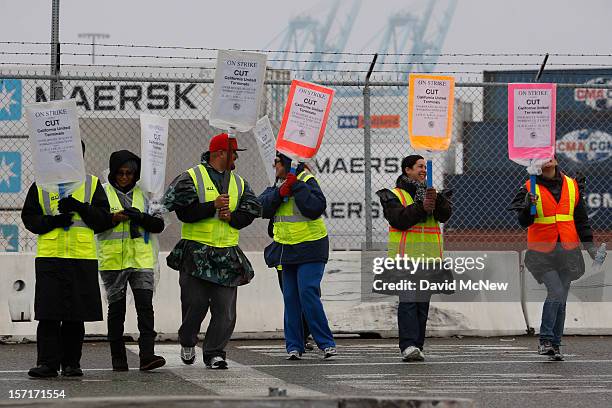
{"points": [[285, 188], [70, 204], [591, 249], [61, 220], [134, 214]]}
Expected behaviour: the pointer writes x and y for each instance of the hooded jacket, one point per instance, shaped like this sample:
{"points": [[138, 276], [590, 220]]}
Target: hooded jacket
{"points": [[117, 159]]}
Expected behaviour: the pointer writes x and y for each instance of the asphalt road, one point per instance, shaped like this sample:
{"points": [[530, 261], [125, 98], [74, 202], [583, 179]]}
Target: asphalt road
{"points": [[495, 372]]}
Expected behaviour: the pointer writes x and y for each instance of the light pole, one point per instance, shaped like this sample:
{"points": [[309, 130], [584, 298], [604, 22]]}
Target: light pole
{"points": [[93, 37]]}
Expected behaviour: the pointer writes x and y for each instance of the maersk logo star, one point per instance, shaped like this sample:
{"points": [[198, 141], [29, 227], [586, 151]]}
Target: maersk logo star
{"points": [[9, 238], [10, 172], [10, 99]]}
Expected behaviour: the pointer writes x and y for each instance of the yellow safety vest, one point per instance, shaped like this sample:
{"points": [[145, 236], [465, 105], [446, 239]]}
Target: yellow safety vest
{"points": [[421, 240], [212, 231], [291, 227], [116, 250], [76, 243]]}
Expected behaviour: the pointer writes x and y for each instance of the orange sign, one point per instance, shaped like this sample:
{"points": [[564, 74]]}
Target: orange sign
{"points": [[304, 120], [430, 111]]}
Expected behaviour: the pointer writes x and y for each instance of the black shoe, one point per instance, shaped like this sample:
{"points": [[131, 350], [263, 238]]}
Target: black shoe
{"points": [[309, 345], [72, 372], [546, 348], [120, 364], [216, 362], [557, 356], [151, 362], [42, 371]]}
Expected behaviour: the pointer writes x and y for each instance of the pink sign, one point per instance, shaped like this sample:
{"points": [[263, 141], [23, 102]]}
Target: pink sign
{"points": [[531, 121]]}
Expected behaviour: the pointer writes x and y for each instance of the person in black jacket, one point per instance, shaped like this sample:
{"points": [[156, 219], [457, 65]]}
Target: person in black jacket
{"points": [[411, 206], [67, 292], [128, 254], [552, 263]]}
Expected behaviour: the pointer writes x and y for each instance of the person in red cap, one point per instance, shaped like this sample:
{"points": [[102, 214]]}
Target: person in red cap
{"points": [[210, 263]]}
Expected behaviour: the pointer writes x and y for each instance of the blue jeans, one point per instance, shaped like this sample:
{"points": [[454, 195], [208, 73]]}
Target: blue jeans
{"points": [[301, 295], [553, 311], [412, 323]]}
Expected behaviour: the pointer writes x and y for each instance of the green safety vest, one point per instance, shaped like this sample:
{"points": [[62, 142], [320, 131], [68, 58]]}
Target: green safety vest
{"points": [[116, 250], [212, 231], [76, 243], [291, 227], [421, 240]]}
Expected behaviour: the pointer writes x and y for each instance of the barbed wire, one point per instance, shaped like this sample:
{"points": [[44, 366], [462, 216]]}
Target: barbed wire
{"points": [[368, 54], [496, 64]]}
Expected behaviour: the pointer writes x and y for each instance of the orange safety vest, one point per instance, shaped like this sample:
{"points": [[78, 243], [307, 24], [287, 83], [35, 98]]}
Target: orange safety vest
{"points": [[554, 221]]}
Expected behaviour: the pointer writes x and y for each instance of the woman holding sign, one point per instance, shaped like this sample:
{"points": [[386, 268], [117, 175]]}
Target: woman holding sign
{"points": [[414, 213], [301, 247], [554, 235], [125, 257]]}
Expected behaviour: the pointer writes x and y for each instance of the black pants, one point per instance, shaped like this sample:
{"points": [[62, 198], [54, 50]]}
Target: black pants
{"points": [[304, 322], [197, 296], [59, 343], [412, 323], [143, 299]]}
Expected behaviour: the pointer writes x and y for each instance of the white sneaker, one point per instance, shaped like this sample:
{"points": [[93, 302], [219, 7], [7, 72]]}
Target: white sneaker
{"points": [[421, 356], [217, 362], [411, 353], [188, 355], [329, 353], [294, 355]]}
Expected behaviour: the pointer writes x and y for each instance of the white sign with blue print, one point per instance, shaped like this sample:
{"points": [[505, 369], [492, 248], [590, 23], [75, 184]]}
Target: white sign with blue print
{"points": [[10, 99]]}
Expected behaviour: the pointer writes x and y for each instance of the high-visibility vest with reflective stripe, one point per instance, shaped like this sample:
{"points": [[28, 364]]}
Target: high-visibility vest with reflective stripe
{"points": [[421, 240], [212, 231], [291, 226], [78, 241], [116, 250], [554, 221]]}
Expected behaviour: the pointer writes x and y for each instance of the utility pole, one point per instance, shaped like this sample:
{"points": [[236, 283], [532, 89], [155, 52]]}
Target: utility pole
{"points": [[56, 91], [93, 37]]}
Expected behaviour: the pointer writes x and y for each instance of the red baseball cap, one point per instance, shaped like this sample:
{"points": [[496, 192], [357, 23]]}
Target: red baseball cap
{"points": [[220, 142]]}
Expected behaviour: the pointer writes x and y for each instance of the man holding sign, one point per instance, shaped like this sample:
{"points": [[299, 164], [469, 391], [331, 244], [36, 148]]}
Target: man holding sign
{"points": [[67, 289], [210, 262]]}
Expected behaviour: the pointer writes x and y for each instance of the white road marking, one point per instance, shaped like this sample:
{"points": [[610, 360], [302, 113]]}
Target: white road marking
{"points": [[238, 380]]}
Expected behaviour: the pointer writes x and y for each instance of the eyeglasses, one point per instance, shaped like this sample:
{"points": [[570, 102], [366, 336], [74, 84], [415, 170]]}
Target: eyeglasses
{"points": [[125, 173]]}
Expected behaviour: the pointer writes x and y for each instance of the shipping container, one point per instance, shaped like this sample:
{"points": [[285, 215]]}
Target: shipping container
{"points": [[570, 101]]}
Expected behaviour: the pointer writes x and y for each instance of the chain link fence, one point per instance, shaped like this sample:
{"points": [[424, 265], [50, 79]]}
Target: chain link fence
{"points": [[476, 167]]}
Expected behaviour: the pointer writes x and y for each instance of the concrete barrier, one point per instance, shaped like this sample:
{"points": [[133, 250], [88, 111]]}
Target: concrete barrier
{"points": [[260, 306]]}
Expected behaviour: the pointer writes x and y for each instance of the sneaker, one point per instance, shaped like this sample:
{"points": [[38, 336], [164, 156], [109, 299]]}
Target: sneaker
{"points": [[72, 372], [329, 353], [217, 362], [411, 353], [546, 348], [294, 355], [42, 371], [421, 356], [188, 355], [151, 362], [120, 364], [557, 356], [309, 345]]}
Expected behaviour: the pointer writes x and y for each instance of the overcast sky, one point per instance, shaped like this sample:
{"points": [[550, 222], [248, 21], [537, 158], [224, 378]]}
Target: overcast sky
{"points": [[477, 26]]}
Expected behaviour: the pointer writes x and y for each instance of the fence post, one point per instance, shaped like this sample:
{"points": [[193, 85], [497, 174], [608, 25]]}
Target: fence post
{"points": [[367, 155], [56, 90]]}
